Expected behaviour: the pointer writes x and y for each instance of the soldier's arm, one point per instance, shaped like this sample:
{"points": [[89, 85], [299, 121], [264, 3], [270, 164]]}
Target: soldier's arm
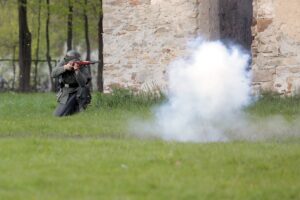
{"points": [[86, 72], [59, 69], [82, 76]]}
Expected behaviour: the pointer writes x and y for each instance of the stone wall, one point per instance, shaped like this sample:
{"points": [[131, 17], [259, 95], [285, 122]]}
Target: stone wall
{"points": [[142, 37], [276, 46]]}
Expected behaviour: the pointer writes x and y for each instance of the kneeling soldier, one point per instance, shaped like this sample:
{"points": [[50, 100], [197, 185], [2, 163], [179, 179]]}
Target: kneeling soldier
{"points": [[74, 94]]}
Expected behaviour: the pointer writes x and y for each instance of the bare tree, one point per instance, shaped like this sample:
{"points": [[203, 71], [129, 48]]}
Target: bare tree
{"points": [[37, 49], [24, 48], [48, 57], [100, 49], [70, 25], [87, 39], [86, 31], [14, 66]]}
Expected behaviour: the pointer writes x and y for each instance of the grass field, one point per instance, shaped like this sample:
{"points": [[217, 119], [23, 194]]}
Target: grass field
{"points": [[93, 156]]}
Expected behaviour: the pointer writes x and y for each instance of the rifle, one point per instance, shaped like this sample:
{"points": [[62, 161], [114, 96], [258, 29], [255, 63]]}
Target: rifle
{"points": [[83, 63]]}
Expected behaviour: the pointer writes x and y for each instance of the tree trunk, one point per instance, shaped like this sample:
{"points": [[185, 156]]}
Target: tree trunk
{"points": [[100, 49], [86, 31], [24, 48], [14, 67], [48, 57], [87, 39], [70, 26], [37, 46]]}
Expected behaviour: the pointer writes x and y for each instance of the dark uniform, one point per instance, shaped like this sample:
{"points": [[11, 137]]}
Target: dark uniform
{"points": [[74, 94]]}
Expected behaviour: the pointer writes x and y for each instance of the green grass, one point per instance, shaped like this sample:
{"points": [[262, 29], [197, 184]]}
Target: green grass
{"points": [[32, 115], [92, 156], [132, 169], [269, 104]]}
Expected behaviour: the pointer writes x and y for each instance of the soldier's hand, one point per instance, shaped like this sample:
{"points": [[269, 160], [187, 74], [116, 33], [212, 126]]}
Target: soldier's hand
{"points": [[76, 66], [68, 67]]}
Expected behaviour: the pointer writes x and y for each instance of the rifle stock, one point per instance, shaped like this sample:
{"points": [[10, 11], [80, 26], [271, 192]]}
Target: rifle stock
{"points": [[84, 63]]}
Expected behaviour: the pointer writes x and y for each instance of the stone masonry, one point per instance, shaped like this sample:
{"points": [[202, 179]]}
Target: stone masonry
{"points": [[142, 37], [276, 46]]}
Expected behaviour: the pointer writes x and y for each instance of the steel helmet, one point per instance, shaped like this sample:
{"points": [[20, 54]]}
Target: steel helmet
{"points": [[72, 55]]}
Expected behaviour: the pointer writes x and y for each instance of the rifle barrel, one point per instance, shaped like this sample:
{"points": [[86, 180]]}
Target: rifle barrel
{"points": [[93, 62]]}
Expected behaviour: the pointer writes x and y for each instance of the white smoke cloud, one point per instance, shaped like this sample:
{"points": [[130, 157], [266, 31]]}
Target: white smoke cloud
{"points": [[206, 96]]}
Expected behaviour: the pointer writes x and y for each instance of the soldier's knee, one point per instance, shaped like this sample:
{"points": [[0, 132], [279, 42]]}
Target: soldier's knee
{"points": [[60, 110], [58, 113]]}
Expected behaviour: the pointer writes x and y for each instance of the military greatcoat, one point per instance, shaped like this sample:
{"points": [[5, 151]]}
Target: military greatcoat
{"points": [[71, 85]]}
